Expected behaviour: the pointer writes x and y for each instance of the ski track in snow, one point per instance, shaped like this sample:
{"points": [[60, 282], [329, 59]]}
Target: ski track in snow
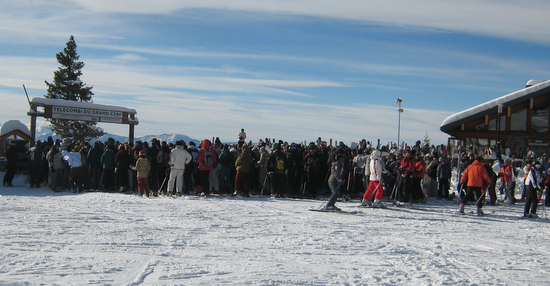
{"points": [[117, 239]]}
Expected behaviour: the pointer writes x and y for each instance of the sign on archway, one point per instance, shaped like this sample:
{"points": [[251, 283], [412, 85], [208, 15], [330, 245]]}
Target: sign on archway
{"points": [[81, 111]]}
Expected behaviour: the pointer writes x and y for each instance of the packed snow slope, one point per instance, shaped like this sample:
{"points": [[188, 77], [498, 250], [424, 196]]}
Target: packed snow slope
{"points": [[118, 239]]}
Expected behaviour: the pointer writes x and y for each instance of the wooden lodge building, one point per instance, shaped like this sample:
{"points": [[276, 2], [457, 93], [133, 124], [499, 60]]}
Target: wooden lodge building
{"points": [[520, 121]]}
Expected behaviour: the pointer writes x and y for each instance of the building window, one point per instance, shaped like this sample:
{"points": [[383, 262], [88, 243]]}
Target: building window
{"points": [[479, 127], [493, 124], [518, 120], [539, 117]]}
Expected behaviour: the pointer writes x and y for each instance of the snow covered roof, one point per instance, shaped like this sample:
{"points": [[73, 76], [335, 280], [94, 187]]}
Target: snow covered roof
{"points": [[42, 101], [489, 107], [13, 125]]}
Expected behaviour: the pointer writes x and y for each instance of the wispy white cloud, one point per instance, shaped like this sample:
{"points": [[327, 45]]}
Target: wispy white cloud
{"points": [[208, 90], [515, 20]]}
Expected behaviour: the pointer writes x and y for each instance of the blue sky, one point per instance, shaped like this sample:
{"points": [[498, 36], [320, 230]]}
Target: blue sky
{"points": [[291, 70]]}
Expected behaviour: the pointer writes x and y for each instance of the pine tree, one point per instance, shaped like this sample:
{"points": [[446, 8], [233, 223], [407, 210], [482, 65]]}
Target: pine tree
{"points": [[427, 139], [68, 86]]}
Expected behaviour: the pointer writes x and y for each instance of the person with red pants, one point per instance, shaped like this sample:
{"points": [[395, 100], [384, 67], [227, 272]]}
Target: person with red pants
{"points": [[376, 183], [243, 164], [142, 168]]}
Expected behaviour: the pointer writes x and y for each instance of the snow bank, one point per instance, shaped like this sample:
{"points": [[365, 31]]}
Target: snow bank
{"points": [[118, 239], [12, 125]]}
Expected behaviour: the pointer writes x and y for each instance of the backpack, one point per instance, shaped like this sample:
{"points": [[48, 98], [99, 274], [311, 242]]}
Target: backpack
{"points": [[57, 161], [208, 161], [280, 163], [160, 156]]}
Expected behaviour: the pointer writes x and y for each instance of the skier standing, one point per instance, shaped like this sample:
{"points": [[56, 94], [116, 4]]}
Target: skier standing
{"points": [[361, 164], [376, 182], [11, 167], [475, 175], [242, 137], [243, 165], [418, 195], [55, 161], [277, 166], [179, 157], [444, 175], [76, 175], [206, 160], [506, 175], [94, 162], [405, 179], [142, 168], [532, 188], [336, 181], [225, 161], [37, 160]]}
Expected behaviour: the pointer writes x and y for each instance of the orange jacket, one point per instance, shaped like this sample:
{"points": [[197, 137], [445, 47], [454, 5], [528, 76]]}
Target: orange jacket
{"points": [[506, 172], [476, 175]]}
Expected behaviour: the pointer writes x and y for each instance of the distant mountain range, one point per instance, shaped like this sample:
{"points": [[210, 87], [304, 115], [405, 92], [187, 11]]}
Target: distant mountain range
{"points": [[43, 132]]}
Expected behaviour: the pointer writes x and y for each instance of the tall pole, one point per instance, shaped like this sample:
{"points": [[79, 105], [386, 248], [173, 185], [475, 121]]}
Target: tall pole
{"points": [[399, 101], [499, 112]]}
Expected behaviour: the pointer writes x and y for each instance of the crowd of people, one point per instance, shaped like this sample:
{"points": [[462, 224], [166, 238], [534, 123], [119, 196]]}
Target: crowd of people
{"points": [[279, 169]]}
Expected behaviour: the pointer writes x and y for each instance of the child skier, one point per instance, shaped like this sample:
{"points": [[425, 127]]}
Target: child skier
{"points": [[142, 168]]}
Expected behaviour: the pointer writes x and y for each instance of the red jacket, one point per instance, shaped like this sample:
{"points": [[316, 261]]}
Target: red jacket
{"points": [[407, 164], [206, 147], [419, 169], [476, 175]]}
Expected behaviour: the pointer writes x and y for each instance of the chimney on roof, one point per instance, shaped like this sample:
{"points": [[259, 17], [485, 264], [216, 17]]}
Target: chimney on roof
{"points": [[533, 82]]}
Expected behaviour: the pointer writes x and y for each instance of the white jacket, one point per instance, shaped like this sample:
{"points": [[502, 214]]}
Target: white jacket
{"points": [[534, 178], [73, 158], [376, 166], [179, 157]]}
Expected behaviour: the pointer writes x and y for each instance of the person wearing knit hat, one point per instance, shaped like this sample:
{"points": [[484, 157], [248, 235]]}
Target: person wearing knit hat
{"points": [[142, 168]]}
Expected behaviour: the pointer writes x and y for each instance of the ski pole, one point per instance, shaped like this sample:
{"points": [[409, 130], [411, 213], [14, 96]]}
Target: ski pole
{"points": [[325, 181], [482, 195], [375, 190], [543, 200], [394, 194], [100, 180], [263, 185], [392, 198], [162, 185], [333, 192]]}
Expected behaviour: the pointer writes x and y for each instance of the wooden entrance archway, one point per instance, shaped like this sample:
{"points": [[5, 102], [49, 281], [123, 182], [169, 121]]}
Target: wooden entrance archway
{"points": [[82, 111]]}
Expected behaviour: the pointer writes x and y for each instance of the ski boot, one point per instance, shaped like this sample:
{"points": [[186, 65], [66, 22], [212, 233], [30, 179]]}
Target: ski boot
{"points": [[331, 208], [461, 209], [366, 203], [480, 212], [377, 204]]}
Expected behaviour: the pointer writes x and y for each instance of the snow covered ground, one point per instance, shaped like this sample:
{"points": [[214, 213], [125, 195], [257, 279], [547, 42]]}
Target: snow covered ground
{"points": [[117, 239]]}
